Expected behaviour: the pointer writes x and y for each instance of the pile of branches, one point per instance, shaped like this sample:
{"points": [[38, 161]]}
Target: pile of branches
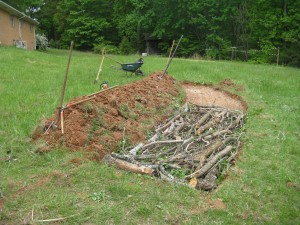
{"points": [[194, 147]]}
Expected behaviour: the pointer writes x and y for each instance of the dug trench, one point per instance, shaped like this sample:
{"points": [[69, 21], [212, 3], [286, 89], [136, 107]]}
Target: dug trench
{"points": [[142, 127]]}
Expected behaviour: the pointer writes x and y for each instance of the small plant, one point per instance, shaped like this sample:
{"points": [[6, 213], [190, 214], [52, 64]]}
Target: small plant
{"points": [[141, 108], [88, 107], [96, 123], [178, 173], [123, 144], [143, 210], [99, 196], [126, 112]]}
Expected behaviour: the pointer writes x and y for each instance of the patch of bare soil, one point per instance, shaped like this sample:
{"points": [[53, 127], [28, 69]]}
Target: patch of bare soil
{"points": [[217, 204], [213, 96]]}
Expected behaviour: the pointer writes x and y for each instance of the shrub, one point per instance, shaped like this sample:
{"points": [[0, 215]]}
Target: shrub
{"points": [[111, 49], [41, 42], [55, 44], [125, 46], [101, 44]]}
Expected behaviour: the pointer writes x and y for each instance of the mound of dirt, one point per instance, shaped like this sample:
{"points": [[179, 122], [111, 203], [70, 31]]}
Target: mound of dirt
{"points": [[122, 115], [114, 117]]}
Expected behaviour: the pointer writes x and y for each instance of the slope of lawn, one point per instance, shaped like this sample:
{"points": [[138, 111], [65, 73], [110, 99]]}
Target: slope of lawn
{"points": [[263, 187]]}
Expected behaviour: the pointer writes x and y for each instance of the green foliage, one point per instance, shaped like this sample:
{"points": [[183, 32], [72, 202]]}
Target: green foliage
{"points": [[207, 24], [267, 53], [125, 47], [110, 49], [101, 44]]}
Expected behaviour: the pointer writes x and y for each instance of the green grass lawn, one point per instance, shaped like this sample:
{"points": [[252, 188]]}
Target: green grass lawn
{"points": [[262, 188]]}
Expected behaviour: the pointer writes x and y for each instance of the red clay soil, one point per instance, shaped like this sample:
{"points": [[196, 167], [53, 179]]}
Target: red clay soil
{"points": [[98, 124]]}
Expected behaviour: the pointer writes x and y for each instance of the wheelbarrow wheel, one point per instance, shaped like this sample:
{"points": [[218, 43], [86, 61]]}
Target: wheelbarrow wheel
{"points": [[139, 72]]}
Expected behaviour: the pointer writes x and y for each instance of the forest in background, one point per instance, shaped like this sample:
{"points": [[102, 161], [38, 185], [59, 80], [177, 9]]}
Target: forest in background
{"points": [[254, 30]]}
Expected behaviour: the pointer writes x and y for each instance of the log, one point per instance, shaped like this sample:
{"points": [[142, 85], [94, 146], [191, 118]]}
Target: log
{"points": [[211, 163], [210, 149], [121, 164], [162, 142], [204, 118], [216, 134], [205, 127], [209, 182]]}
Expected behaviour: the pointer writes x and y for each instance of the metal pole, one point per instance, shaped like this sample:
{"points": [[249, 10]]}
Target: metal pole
{"points": [[164, 73]]}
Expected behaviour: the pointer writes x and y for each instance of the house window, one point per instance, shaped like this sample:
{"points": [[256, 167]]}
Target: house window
{"points": [[12, 21]]}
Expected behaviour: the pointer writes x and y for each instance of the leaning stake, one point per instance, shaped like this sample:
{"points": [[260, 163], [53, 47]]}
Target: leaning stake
{"points": [[60, 108], [100, 68], [66, 77], [164, 73], [170, 52]]}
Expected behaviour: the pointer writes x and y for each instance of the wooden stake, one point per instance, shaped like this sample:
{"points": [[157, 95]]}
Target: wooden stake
{"points": [[62, 121], [64, 86], [66, 77], [277, 56], [81, 101], [100, 68], [103, 91], [169, 62], [170, 52]]}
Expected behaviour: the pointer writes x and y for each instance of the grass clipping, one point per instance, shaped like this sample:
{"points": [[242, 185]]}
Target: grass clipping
{"points": [[195, 146]]}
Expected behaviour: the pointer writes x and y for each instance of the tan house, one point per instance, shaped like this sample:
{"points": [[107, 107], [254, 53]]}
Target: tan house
{"points": [[16, 28]]}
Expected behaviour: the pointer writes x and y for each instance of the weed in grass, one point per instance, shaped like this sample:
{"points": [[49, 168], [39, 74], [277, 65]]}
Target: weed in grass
{"points": [[99, 196], [144, 210], [123, 144], [180, 173]]}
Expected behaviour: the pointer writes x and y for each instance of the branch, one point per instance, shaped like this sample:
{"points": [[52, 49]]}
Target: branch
{"points": [[208, 165]]}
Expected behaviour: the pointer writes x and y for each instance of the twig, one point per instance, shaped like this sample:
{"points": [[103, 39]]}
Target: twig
{"points": [[53, 220], [123, 139], [136, 149], [49, 127], [167, 124]]}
